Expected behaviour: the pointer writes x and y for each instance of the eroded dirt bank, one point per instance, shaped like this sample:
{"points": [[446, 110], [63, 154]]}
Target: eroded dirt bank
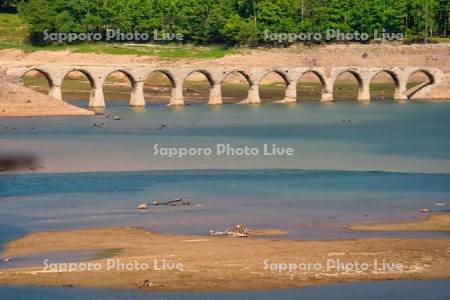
{"points": [[324, 56], [19, 101]]}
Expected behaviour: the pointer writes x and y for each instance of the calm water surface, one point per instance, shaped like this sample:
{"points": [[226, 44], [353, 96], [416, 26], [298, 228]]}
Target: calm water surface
{"points": [[389, 290], [353, 163], [309, 204], [388, 136], [328, 183]]}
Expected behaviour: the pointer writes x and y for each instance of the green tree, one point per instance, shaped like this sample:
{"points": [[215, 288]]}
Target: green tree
{"points": [[422, 15], [277, 16], [238, 31], [241, 22], [338, 12], [40, 14], [442, 17], [395, 15]]}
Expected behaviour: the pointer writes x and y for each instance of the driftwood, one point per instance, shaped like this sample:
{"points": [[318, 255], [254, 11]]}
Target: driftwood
{"points": [[172, 202], [147, 283], [236, 231]]}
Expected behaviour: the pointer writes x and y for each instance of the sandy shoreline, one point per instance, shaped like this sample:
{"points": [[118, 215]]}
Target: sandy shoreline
{"points": [[228, 264], [435, 222], [19, 101]]}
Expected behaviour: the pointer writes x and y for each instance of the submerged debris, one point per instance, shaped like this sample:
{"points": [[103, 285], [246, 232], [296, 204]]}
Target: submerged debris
{"points": [[235, 231], [174, 202], [162, 126], [110, 116], [143, 206], [147, 284], [102, 125]]}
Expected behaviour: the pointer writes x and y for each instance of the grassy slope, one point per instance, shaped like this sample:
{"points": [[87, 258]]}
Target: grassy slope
{"points": [[13, 35], [166, 51], [12, 29]]}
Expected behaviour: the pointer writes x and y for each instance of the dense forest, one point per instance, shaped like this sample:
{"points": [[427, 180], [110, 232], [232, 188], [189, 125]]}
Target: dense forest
{"points": [[237, 22]]}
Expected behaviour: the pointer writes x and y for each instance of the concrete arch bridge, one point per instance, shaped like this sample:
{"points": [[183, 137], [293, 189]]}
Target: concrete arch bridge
{"points": [[97, 75]]}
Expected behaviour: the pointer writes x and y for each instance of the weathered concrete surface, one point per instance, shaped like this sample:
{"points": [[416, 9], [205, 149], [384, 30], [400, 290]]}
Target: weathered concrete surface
{"points": [[97, 75], [440, 90]]}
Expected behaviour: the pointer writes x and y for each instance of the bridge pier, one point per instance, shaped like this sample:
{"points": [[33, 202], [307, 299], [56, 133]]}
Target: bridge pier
{"points": [[327, 89], [290, 93], [364, 91], [326, 97], [137, 94], [400, 90], [364, 78], [177, 94], [97, 99], [253, 95], [401, 86], [55, 92], [215, 94]]}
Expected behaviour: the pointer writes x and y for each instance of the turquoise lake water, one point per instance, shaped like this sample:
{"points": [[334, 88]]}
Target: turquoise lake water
{"points": [[382, 135], [386, 290], [352, 163], [309, 204]]}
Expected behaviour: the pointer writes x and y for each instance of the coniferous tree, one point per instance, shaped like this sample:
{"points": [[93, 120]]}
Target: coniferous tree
{"points": [[240, 22]]}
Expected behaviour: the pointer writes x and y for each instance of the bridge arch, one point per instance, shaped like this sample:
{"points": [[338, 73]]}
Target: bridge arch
{"points": [[42, 73], [204, 72], [167, 73], [392, 75], [130, 89], [426, 72], [166, 83], [310, 90], [282, 95], [277, 71], [240, 93], [82, 89], [238, 71], [356, 75], [198, 91], [126, 73], [415, 88], [86, 73]]}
